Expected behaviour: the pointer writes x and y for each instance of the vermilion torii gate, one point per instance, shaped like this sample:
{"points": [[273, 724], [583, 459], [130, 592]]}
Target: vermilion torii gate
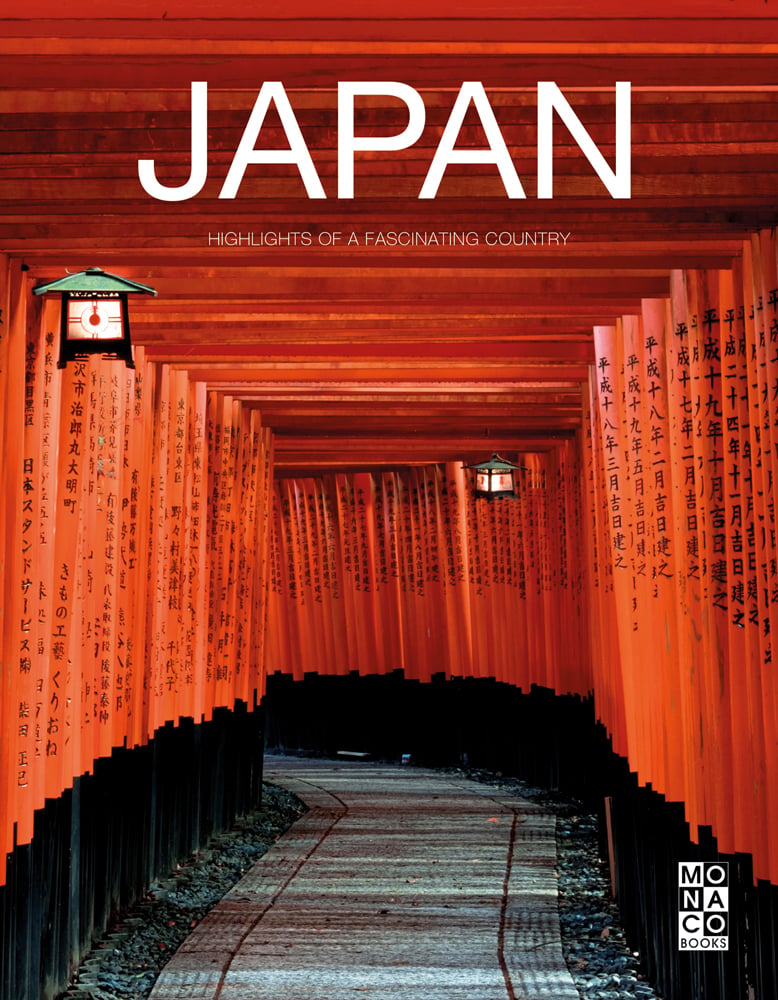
{"points": [[278, 484]]}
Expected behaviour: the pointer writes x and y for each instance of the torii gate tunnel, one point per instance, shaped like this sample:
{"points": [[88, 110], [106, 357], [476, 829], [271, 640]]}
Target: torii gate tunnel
{"points": [[386, 247]]}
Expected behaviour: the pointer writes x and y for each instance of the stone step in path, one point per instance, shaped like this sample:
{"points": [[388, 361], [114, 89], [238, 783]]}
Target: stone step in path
{"points": [[398, 884]]}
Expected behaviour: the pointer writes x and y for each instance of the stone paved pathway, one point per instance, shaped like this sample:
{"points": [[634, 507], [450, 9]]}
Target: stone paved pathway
{"points": [[398, 884]]}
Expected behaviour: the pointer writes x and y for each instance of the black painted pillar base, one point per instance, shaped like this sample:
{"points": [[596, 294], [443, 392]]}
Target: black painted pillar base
{"points": [[96, 849], [651, 839]]}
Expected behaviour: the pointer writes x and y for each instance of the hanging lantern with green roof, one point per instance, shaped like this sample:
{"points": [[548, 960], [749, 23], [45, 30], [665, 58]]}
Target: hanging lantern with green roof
{"points": [[95, 317]]}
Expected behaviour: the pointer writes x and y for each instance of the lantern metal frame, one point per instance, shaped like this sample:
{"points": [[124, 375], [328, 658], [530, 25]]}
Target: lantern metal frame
{"points": [[94, 286], [492, 469]]}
